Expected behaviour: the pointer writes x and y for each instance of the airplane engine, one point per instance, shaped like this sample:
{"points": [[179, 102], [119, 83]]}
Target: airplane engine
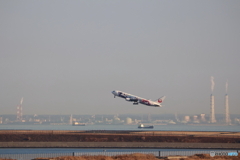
{"points": [[128, 99], [132, 99]]}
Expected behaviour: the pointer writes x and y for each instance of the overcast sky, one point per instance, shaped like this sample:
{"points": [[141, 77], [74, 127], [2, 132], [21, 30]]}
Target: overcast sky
{"points": [[66, 57]]}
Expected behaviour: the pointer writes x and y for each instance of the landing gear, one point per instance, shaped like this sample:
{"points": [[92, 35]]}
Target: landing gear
{"points": [[135, 103]]}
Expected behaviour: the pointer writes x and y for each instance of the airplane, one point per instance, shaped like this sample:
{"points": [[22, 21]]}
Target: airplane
{"points": [[136, 99]]}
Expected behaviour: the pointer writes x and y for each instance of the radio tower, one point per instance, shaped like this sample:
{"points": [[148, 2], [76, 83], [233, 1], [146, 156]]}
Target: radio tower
{"points": [[19, 111]]}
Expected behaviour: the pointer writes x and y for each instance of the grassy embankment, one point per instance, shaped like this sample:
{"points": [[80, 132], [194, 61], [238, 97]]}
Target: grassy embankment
{"points": [[138, 156]]}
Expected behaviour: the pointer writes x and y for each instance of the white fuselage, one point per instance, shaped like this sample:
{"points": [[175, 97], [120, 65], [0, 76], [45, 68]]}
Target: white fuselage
{"points": [[136, 99]]}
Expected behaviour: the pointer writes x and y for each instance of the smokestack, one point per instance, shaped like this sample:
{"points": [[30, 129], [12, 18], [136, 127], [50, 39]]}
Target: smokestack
{"points": [[212, 83], [227, 116], [71, 120], [212, 110], [21, 101], [19, 111]]}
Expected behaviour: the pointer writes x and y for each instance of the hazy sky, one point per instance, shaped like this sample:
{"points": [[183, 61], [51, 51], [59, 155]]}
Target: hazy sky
{"points": [[66, 57]]}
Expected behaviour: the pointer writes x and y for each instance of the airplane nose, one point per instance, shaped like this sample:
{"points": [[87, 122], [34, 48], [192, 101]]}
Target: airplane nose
{"points": [[114, 92]]}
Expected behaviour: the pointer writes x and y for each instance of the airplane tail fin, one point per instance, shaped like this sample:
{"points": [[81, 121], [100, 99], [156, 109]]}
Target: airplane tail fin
{"points": [[160, 100]]}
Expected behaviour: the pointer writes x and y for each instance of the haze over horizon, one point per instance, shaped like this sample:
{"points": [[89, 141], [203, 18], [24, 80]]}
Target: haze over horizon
{"points": [[66, 57]]}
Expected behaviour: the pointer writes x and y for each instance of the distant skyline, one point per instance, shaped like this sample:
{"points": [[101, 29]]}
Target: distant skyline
{"points": [[66, 57]]}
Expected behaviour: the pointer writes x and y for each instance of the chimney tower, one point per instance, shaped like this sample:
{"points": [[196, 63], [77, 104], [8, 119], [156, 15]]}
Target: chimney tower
{"points": [[19, 111], [227, 116], [212, 110]]}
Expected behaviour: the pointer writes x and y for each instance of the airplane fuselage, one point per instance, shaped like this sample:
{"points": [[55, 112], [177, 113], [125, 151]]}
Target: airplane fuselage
{"points": [[136, 99]]}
